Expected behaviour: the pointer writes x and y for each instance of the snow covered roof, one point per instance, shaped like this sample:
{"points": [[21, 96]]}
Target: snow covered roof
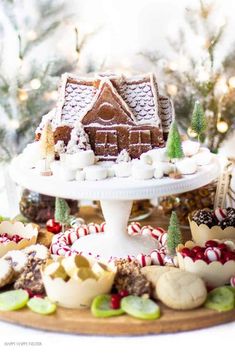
{"points": [[139, 96]]}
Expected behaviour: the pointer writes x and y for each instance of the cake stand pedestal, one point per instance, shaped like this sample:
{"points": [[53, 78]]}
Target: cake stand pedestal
{"points": [[116, 196]]}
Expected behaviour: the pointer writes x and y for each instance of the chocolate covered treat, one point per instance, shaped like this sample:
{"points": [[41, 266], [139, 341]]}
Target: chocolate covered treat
{"points": [[116, 113], [130, 278], [204, 217]]}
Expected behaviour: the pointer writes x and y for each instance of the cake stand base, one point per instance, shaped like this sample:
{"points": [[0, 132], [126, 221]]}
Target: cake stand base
{"points": [[115, 242]]}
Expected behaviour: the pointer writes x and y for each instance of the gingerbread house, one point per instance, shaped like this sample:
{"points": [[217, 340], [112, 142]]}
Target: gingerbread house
{"points": [[117, 113]]}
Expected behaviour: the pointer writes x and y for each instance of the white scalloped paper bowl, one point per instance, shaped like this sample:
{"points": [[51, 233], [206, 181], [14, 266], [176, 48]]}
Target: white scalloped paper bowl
{"points": [[202, 233], [28, 232], [214, 274], [75, 294]]}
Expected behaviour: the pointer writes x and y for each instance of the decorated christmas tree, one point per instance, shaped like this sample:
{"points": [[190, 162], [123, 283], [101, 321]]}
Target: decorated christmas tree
{"points": [[79, 140], [62, 212], [174, 147], [198, 122], [174, 237]]}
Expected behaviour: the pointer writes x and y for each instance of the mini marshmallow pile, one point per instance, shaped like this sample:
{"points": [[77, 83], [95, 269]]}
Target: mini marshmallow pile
{"points": [[83, 165], [62, 242]]}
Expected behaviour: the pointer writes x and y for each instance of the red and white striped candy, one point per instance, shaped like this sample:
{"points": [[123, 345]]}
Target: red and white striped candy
{"points": [[162, 239], [70, 236], [212, 254], [143, 260], [146, 231], [220, 214], [157, 232], [82, 231], [131, 258], [169, 260], [157, 257], [103, 226], [94, 228], [232, 281], [134, 228]]}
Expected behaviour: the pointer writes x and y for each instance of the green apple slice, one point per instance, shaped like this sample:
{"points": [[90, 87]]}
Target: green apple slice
{"points": [[13, 300], [140, 308], [220, 299], [41, 306], [100, 307]]}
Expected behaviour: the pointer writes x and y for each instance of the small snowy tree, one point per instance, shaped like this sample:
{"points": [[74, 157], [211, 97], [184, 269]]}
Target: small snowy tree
{"points": [[198, 122], [174, 237], [79, 140], [62, 212], [174, 147], [47, 147], [123, 157]]}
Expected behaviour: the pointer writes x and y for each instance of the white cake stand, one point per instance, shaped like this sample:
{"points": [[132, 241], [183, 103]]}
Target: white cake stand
{"points": [[116, 196]]}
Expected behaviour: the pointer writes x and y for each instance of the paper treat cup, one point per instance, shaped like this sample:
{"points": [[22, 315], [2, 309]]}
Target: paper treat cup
{"points": [[77, 294], [202, 233], [28, 232], [214, 274]]}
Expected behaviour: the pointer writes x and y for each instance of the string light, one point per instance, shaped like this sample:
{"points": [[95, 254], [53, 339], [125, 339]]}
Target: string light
{"points": [[203, 76], [51, 96], [31, 35], [221, 87], [173, 66], [222, 126], [13, 124], [22, 95], [191, 133], [172, 89], [35, 83], [231, 82]]}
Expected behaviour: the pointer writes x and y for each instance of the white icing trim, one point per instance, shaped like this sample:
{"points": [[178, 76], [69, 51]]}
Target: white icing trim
{"points": [[155, 98], [61, 97]]}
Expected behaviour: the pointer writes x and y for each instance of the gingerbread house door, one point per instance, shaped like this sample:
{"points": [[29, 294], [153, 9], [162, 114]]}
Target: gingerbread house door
{"points": [[106, 143]]}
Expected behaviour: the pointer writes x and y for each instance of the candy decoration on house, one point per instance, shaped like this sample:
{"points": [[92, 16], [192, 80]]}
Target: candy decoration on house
{"points": [[62, 212], [79, 140], [47, 148], [198, 122], [174, 236], [116, 113]]}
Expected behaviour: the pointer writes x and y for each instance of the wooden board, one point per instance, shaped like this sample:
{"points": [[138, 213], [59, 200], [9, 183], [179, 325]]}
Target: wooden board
{"points": [[82, 322]]}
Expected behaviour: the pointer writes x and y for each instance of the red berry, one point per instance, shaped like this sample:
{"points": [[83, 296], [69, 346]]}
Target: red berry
{"points": [[186, 252], [30, 293], [123, 293], [115, 301], [222, 247], [211, 243], [199, 256], [229, 255], [16, 238], [197, 249]]}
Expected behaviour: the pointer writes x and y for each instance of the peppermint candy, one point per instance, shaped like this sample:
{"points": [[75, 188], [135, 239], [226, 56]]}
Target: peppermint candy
{"points": [[103, 227], [157, 257], [162, 239], [146, 231], [134, 228], [82, 231], [94, 228], [143, 260], [212, 254], [220, 214], [232, 281], [158, 232]]}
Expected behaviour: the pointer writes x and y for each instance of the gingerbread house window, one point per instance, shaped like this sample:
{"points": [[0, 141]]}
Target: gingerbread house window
{"points": [[139, 142], [106, 143]]}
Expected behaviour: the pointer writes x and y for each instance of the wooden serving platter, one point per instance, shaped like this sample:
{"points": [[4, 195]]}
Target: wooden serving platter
{"points": [[82, 322]]}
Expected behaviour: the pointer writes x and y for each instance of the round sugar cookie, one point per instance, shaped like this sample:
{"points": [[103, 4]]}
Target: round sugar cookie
{"points": [[181, 290], [17, 259]]}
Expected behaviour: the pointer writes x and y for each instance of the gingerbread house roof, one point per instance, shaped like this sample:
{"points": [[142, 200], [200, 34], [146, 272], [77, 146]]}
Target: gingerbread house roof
{"points": [[139, 96]]}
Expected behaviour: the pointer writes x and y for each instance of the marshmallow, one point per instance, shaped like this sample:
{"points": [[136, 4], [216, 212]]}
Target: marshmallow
{"points": [[122, 169], [203, 158], [142, 171], [190, 148], [110, 172], [67, 174], [167, 167], [80, 175], [146, 158], [95, 172], [158, 172], [32, 154], [186, 166], [158, 155], [80, 159]]}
